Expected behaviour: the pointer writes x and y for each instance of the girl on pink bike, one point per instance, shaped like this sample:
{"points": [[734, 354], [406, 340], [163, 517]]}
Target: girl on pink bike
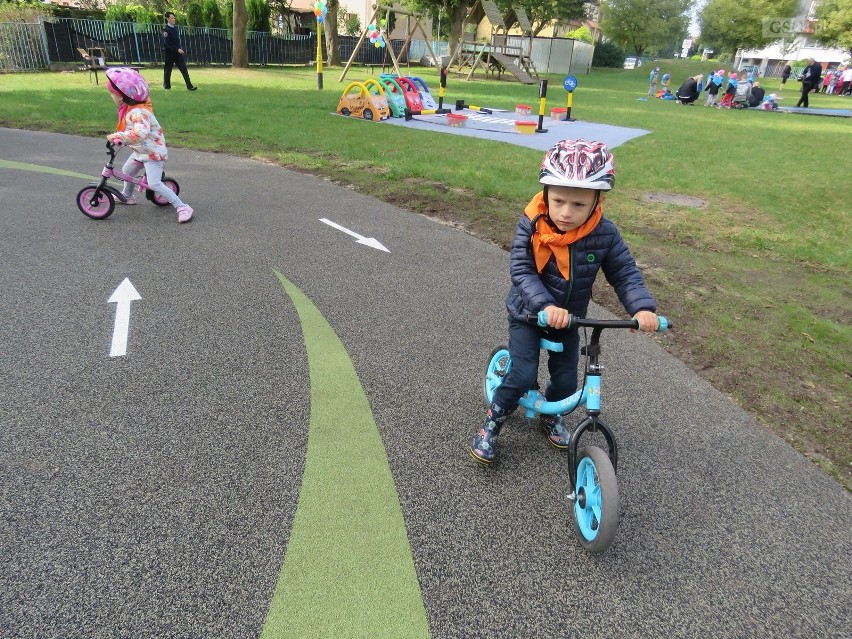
{"points": [[139, 129]]}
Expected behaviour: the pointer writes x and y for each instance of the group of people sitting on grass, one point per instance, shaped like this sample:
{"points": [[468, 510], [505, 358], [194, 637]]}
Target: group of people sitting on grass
{"points": [[738, 92]]}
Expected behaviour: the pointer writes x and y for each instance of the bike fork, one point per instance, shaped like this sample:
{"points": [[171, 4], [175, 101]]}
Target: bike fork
{"points": [[592, 424]]}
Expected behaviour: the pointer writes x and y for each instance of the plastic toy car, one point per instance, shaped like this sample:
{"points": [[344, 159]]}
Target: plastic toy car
{"points": [[395, 96], [425, 96], [411, 92], [359, 101]]}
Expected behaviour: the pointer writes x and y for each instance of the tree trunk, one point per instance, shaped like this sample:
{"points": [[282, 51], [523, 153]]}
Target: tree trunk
{"points": [[330, 27], [240, 46], [456, 19]]}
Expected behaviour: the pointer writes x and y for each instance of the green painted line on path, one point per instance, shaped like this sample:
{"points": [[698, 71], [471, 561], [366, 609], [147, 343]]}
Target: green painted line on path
{"points": [[37, 168], [348, 570]]}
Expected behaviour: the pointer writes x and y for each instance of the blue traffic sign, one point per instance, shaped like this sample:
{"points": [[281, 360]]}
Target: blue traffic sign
{"points": [[570, 83]]}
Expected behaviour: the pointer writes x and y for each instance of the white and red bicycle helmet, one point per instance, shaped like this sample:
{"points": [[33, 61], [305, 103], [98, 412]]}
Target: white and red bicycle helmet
{"points": [[127, 83], [580, 164]]}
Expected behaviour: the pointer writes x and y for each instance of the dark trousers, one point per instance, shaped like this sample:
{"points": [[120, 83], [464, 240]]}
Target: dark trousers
{"points": [[173, 58], [807, 87], [524, 347]]}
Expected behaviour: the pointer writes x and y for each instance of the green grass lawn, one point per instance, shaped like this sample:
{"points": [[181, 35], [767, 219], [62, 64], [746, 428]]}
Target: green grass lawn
{"points": [[757, 281]]}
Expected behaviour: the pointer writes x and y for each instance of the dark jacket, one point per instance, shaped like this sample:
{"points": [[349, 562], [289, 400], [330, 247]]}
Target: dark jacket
{"points": [[812, 73], [603, 249], [786, 72], [755, 96], [170, 38], [688, 90]]}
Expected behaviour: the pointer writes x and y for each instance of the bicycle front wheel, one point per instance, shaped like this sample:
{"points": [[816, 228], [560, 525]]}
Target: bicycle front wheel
{"points": [[499, 363], [95, 203], [596, 505]]}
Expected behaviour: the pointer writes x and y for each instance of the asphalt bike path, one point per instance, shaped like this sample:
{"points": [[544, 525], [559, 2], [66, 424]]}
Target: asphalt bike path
{"points": [[155, 494]]}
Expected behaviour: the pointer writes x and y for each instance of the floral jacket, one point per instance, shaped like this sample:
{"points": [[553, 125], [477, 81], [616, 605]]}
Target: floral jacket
{"points": [[144, 135]]}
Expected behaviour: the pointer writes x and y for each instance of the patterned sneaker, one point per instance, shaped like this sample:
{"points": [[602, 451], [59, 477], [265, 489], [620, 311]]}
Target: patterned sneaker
{"points": [[484, 448], [129, 201], [557, 434], [184, 213]]}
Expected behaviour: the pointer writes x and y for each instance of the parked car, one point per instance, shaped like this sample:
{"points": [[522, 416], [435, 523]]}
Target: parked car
{"points": [[632, 63]]}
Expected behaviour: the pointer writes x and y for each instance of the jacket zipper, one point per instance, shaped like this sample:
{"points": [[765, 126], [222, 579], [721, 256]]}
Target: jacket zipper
{"points": [[570, 275]]}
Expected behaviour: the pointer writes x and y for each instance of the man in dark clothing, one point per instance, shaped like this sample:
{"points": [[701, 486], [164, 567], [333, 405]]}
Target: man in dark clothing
{"points": [[173, 54], [810, 79]]}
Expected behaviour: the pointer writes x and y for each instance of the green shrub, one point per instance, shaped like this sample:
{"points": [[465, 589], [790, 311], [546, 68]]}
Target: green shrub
{"points": [[608, 54], [211, 15], [259, 14]]}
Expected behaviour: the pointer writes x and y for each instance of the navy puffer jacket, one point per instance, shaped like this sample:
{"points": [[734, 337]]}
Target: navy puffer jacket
{"points": [[603, 248]]}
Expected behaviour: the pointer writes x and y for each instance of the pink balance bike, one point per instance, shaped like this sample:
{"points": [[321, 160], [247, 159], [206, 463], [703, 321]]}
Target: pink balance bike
{"points": [[98, 199]]}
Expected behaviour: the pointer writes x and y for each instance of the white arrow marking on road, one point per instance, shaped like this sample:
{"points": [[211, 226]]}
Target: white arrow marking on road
{"points": [[368, 241], [122, 297]]}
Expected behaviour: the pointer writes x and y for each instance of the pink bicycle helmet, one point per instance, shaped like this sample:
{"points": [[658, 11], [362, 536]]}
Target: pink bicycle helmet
{"points": [[578, 163], [127, 83]]}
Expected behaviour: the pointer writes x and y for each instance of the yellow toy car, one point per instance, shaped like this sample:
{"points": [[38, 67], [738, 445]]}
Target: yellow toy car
{"points": [[364, 100]]}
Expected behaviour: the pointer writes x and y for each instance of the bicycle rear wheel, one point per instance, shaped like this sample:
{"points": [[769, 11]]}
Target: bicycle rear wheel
{"points": [[596, 506], [157, 198], [499, 363]]}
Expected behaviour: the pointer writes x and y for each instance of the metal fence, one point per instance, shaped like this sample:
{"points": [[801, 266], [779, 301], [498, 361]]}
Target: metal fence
{"points": [[35, 46], [22, 47]]}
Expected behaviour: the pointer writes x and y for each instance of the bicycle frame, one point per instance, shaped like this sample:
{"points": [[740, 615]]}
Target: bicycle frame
{"points": [[109, 171], [590, 395]]}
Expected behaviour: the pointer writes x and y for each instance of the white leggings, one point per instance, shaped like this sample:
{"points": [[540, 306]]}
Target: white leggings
{"points": [[154, 175]]}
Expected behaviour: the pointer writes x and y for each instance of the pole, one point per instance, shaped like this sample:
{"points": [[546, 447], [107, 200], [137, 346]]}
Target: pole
{"points": [[319, 54], [542, 95], [570, 103], [442, 88]]}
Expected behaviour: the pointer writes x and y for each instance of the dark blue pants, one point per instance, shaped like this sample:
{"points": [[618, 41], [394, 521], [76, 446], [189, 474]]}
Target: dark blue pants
{"points": [[170, 59], [524, 348]]}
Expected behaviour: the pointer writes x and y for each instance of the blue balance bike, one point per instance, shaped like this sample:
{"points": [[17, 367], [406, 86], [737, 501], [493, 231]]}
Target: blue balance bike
{"points": [[594, 489]]}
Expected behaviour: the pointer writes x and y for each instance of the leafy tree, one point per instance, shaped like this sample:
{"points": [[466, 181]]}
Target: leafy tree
{"points": [[117, 13], [582, 34], [259, 15], [142, 15], [728, 25], [542, 13], [240, 55], [194, 12], [351, 26], [644, 25], [834, 26], [211, 15]]}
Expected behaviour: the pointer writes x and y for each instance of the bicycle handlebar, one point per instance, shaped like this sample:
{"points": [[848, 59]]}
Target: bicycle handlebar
{"points": [[540, 319]]}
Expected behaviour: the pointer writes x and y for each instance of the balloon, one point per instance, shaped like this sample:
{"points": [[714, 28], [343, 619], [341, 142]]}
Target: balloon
{"points": [[377, 45], [383, 22], [372, 27], [319, 19]]}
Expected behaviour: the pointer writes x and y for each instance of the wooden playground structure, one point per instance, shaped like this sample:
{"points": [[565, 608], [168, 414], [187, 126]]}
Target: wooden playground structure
{"points": [[495, 56], [377, 15]]}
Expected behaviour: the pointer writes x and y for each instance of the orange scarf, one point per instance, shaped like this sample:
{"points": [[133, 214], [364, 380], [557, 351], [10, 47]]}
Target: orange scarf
{"points": [[547, 240], [124, 108]]}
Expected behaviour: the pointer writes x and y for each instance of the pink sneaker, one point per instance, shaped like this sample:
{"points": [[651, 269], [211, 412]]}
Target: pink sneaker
{"points": [[184, 213], [130, 201]]}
